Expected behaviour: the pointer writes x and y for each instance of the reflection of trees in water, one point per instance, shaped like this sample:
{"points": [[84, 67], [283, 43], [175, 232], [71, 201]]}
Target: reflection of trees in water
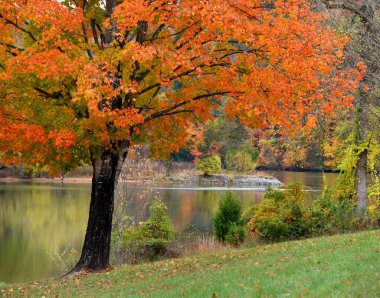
{"points": [[188, 209], [36, 221], [131, 204], [313, 180]]}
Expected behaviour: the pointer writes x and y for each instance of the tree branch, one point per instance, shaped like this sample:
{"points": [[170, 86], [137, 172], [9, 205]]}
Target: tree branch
{"points": [[85, 36], [350, 7], [7, 21], [102, 36], [95, 34], [157, 32], [247, 14], [8, 45], [171, 109], [55, 95], [181, 75], [177, 34]]}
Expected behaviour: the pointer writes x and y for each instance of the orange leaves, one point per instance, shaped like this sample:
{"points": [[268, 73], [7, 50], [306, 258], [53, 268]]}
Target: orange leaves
{"points": [[53, 17], [270, 64], [18, 141], [50, 64], [360, 72], [63, 138], [362, 67], [128, 13], [141, 54], [127, 117]]}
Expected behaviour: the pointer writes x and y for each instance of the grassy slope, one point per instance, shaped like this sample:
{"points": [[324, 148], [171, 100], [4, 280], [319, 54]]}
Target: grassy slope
{"points": [[337, 266]]}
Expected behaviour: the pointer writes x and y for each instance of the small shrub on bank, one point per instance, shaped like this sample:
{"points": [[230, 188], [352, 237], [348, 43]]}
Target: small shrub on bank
{"points": [[281, 215], [331, 214], [209, 165], [284, 214], [151, 238], [373, 212], [236, 234], [228, 224]]}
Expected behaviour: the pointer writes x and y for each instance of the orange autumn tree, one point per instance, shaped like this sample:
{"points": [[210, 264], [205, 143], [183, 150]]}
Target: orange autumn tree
{"points": [[83, 80]]}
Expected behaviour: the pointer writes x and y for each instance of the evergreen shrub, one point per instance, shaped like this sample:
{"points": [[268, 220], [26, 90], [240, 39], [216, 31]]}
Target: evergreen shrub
{"points": [[228, 224], [151, 238]]}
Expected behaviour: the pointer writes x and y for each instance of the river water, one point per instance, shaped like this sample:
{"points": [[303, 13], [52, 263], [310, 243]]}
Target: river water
{"points": [[42, 225]]}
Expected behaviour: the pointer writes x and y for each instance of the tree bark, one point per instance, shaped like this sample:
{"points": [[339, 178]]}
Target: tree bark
{"points": [[96, 247], [362, 165], [361, 184]]}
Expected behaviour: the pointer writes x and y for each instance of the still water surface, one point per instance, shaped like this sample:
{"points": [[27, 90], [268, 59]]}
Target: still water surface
{"points": [[38, 222]]}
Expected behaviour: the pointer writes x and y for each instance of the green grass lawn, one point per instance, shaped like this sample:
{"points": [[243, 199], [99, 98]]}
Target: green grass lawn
{"points": [[337, 266]]}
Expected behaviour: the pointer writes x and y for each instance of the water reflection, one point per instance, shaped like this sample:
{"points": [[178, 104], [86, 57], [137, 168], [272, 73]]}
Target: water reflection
{"points": [[313, 180], [37, 220], [189, 208]]}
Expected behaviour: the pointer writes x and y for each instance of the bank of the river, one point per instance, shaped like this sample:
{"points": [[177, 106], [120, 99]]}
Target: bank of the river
{"points": [[258, 180], [225, 180], [80, 180], [335, 266]]}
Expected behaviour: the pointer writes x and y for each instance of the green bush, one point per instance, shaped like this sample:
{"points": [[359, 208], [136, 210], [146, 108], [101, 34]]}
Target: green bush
{"points": [[209, 165], [281, 215], [373, 211], [151, 238], [331, 214], [334, 210], [227, 222], [240, 161], [236, 234], [159, 225], [272, 229]]}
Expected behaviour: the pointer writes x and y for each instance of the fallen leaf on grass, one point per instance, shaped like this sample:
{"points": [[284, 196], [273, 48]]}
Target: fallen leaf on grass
{"points": [[348, 282]]}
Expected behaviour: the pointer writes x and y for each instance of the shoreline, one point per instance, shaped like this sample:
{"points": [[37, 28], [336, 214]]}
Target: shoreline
{"points": [[170, 179], [79, 180]]}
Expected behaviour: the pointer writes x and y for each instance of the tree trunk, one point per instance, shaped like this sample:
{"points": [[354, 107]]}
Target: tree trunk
{"points": [[96, 247], [361, 168], [361, 184]]}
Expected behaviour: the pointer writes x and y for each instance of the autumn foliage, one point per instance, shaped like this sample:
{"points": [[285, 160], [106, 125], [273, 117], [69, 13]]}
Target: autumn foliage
{"points": [[77, 77]]}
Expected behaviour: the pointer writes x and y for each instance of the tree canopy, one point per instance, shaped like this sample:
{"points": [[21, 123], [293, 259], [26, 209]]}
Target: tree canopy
{"points": [[80, 76], [83, 80]]}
